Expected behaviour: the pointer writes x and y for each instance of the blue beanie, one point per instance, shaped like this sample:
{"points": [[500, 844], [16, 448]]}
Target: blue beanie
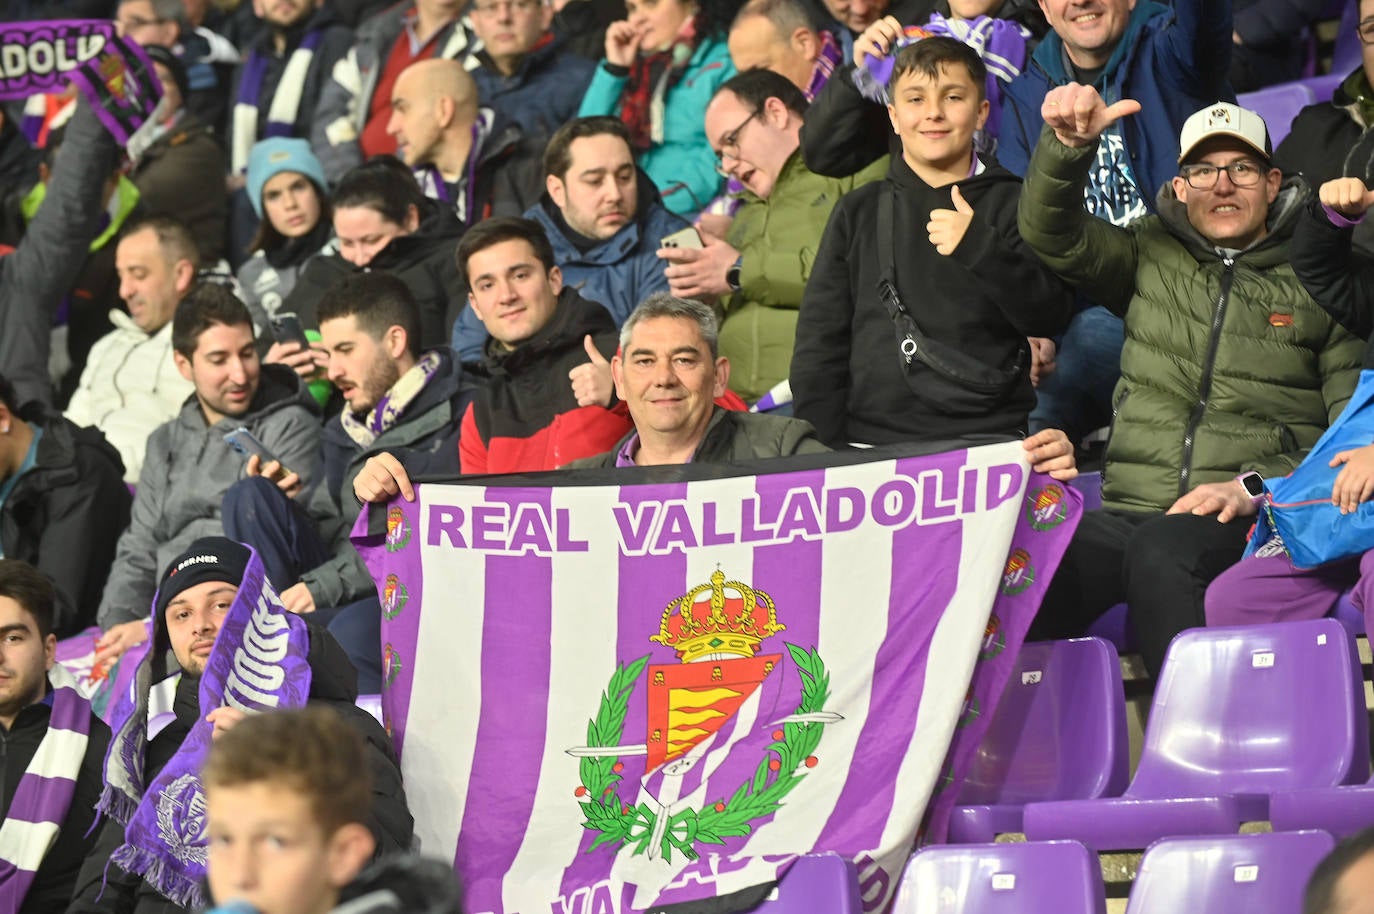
{"points": [[273, 156]]}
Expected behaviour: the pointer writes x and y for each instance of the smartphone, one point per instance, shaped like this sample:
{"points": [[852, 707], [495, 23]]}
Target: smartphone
{"points": [[286, 328], [685, 238], [247, 444]]}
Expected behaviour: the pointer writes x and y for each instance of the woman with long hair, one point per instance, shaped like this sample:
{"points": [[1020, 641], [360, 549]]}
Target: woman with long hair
{"points": [[663, 63]]}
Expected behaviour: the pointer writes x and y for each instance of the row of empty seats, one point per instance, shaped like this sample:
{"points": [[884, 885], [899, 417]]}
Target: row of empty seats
{"points": [[1258, 723], [1257, 874]]}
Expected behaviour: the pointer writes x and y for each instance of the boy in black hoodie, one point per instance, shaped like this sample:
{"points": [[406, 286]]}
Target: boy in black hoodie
{"points": [[913, 326]]}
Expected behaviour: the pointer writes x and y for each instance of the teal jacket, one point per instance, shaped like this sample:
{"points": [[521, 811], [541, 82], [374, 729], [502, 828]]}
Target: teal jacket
{"points": [[683, 166]]}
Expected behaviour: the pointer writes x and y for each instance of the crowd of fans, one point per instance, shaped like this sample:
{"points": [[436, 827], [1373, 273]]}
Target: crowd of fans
{"points": [[362, 241]]}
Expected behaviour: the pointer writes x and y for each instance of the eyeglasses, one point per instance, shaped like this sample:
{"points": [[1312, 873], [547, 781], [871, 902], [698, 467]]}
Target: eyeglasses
{"points": [[491, 7], [1365, 29], [1242, 172], [729, 144], [136, 22]]}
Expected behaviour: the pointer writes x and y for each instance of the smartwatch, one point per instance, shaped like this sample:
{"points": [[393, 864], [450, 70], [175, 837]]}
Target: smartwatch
{"points": [[732, 274], [1253, 484]]}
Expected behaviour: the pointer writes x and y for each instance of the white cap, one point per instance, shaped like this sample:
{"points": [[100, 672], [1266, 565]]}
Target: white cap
{"points": [[1224, 119]]}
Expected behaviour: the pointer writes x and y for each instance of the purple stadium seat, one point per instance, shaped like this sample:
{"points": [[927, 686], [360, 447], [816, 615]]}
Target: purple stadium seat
{"points": [[1346, 55], [372, 704], [1238, 714], [1345, 612], [1089, 485], [816, 882], [1257, 874], [1342, 811], [1278, 105], [1050, 877], [1059, 733], [1324, 86]]}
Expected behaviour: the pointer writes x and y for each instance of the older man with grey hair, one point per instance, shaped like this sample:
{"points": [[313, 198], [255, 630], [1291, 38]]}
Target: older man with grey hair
{"points": [[669, 371]]}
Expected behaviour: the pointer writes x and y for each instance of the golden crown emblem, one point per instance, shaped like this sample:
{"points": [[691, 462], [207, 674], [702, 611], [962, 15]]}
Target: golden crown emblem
{"points": [[716, 620]]}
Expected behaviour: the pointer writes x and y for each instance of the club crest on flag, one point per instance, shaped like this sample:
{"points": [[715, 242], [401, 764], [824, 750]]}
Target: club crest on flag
{"points": [[1045, 507], [1019, 573], [715, 630], [394, 596], [397, 529], [392, 664]]}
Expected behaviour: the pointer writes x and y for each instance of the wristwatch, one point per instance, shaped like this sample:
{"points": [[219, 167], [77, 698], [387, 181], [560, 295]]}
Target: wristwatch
{"points": [[1253, 484], [732, 274]]}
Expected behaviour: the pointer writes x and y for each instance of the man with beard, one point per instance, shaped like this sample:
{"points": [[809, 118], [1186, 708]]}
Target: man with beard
{"points": [[189, 466], [196, 603], [398, 399]]}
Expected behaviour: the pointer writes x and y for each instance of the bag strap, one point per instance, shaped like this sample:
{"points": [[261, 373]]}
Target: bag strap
{"points": [[912, 342]]}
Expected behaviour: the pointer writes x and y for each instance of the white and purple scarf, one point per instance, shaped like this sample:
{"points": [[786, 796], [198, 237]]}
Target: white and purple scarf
{"points": [[44, 794], [286, 100], [393, 403], [259, 663]]}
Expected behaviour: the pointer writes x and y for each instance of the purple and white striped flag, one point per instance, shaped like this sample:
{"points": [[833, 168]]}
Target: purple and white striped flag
{"points": [[611, 697]]}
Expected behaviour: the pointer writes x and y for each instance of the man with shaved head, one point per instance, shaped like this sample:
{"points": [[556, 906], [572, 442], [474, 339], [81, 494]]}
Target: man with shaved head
{"points": [[463, 154]]}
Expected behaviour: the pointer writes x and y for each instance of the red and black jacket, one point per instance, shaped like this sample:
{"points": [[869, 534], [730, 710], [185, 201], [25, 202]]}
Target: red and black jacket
{"points": [[526, 418]]}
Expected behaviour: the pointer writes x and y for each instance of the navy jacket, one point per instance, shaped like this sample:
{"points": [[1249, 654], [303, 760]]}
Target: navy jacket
{"points": [[543, 93], [1172, 59]]}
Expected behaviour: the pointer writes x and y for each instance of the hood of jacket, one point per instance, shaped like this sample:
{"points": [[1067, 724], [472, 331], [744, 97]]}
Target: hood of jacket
{"points": [[403, 884], [574, 318], [56, 462], [1267, 251], [614, 249], [1049, 56], [438, 226]]}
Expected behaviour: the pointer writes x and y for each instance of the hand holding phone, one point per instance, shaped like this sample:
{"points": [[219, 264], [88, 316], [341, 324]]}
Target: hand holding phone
{"points": [[683, 238], [247, 444], [287, 328]]}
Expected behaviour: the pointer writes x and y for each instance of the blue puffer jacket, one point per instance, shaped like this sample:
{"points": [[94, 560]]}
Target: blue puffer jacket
{"points": [[543, 93], [683, 165], [618, 274], [1173, 60]]}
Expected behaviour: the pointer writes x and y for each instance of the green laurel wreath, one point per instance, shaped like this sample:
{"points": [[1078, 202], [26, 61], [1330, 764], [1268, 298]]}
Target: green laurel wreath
{"points": [[619, 824]]}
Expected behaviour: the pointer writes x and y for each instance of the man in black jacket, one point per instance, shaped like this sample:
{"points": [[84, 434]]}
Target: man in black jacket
{"points": [[63, 504], [38, 700], [195, 592]]}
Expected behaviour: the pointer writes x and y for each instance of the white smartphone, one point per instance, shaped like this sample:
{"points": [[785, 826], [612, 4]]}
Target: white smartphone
{"points": [[685, 238]]}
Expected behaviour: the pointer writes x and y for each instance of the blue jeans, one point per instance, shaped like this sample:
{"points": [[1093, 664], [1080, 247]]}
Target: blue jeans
{"points": [[1077, 397]]}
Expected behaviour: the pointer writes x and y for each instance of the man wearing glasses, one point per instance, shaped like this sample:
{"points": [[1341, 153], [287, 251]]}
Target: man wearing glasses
{"points": [[1230, 371], [1332, 139], [524, 72], [759, 271]]}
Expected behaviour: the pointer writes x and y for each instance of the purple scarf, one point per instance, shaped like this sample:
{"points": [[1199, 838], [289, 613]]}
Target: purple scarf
{"points": [[44, 794], [259, 662]]}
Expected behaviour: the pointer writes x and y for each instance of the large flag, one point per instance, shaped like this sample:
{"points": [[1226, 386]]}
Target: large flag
{"points": [[623, 689]]}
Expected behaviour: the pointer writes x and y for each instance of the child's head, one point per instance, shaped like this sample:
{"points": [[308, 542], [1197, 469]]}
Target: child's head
{"points": [[937, 91], [972, 9], [287, 793]]}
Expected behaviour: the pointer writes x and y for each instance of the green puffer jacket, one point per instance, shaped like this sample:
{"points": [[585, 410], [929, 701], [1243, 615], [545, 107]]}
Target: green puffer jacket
{"points": [[777, 239], [1229, 365]]}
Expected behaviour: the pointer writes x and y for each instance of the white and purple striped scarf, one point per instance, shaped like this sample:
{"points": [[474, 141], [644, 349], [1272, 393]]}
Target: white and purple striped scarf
{"points": [[393, 403], [260, 661], [44, 794], [286, 99]]}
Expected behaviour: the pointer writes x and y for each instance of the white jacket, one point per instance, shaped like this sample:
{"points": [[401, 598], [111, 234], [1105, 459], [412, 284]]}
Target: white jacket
{"points": [[130, 387]]}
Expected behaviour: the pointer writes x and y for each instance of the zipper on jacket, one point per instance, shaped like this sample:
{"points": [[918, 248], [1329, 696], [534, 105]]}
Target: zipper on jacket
{"points": [[1205, 382]]}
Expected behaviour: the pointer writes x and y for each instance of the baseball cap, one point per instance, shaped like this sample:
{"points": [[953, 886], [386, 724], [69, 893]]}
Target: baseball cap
{"points": [[1224, 119]]}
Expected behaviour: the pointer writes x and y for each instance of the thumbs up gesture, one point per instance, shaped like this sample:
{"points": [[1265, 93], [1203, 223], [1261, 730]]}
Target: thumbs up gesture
{"points": [[1347, 196], [591, 382], [947, 226]]}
